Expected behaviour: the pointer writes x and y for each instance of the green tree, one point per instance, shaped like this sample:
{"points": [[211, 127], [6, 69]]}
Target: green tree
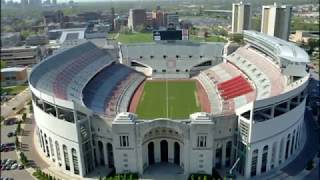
{"points": [[19, 128], [2, 118], [24, 116], [139, 28], [17, 143], [125, 30], [26, 33], [3, 64]]}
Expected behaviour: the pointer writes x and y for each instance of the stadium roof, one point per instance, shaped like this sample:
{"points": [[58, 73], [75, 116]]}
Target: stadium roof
{"points": [[282, 48], [65, 74]]}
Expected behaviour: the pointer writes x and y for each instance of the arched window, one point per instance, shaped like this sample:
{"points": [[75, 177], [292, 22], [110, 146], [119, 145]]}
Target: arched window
{"points": [[297, 141], [75, 161], [264, 158], [58, 150], [101, 151], [66, 157], [293, 141], [47, 145], [254, 161], [110, 155], [51, 147], [287, 147], [228, 153]]}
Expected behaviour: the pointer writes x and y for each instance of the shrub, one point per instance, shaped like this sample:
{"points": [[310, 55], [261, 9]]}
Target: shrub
{"points": [[309, 165], [24, 116], [200, 177]]}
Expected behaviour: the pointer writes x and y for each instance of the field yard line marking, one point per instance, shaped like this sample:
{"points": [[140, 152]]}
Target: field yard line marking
{"points": [[196, 97], [167, 93]]}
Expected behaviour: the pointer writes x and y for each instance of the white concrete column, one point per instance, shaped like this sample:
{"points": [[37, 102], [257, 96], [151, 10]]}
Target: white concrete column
{"points": [[186, 155], [276, 155], [268, 167], [284, 148], [141, 157], [157, 152], [247, 165], [170, 151]]}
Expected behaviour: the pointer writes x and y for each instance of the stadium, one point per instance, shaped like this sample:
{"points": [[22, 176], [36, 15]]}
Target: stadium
{"points": [[198, 106]]}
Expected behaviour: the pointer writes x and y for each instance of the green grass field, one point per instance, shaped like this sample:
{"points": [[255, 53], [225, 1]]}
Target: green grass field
{"points": [[135, 38], [209, 39], [182, 100], [14, 89]]}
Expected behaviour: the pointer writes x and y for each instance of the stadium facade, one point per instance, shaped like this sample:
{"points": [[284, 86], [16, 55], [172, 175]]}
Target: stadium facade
{"points": [[257, 96]]}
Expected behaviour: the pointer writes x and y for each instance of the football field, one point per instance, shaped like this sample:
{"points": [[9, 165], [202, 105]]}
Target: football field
{"points": [[172, 99]]}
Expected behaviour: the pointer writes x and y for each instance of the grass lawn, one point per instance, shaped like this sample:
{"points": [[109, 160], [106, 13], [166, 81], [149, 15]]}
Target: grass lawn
{"points": [[181, 100], [209, 39], [14, 89], [135, 38]]}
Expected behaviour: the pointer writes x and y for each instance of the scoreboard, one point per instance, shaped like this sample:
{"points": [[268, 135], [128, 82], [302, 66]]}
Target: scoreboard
{"points": [[170, 35]]}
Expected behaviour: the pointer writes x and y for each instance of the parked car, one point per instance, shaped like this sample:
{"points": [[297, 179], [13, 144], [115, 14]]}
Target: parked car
{"points": [[10, 134], [10, 121], [14, 166], [21, 166]]}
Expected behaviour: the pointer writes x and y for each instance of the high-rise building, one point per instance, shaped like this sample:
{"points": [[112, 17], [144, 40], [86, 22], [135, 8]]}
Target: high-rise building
{"points": [[113, 16], [24, 3], [54, 2], [241, 17], [159, 19], [136, 18], [172, 19], [276, 20]]}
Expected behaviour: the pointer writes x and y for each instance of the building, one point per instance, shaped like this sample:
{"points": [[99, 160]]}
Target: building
{"points": [[10, 39], [253, 113], [159, 19], [65, 38], [54, 2], [89, 16], [13, 76], [36, 40], [113, 16], [172, 20], [137, 17], [97, 30], [53, 17], [21, 56], [276, 20], [304, 36], [35, 3], [24, 3], [241, 17], [120, 22]]}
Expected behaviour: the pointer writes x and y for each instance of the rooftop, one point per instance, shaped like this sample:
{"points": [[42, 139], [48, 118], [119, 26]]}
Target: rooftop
{"points": [[282, 48], [13, 69]]}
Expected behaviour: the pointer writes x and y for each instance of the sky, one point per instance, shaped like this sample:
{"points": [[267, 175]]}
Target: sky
{"points": [[83, 0]]}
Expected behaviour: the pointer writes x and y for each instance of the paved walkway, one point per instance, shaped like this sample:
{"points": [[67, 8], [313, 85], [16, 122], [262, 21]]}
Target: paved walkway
{"points": [[164, 171]]}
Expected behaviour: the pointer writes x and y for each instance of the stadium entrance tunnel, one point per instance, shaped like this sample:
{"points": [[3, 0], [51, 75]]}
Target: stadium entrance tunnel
{"points": [[163, 145]]}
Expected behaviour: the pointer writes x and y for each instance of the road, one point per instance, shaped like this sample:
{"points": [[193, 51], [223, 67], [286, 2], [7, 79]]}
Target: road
{"points": [[16, 102]]}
